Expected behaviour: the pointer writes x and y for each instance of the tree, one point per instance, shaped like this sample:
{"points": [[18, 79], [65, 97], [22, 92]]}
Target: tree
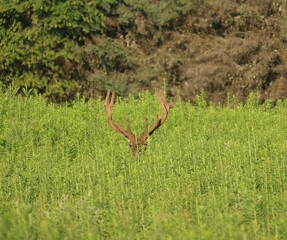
{"points": [[41, 42]]}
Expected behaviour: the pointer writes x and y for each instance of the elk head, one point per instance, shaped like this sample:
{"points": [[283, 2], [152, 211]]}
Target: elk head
{"points": [[137, 143]]}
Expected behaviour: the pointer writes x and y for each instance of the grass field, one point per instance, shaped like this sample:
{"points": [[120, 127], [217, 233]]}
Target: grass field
{"points": [[208, 172]]}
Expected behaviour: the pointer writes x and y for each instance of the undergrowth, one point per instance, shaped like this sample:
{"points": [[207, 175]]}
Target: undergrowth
{"points": [[208, 173]]}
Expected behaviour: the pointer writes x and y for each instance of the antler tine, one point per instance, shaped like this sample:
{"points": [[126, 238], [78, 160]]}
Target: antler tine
{"points": [[107, 99], [109, 103], [143, 137], [145, 131], [128, 125], [162, 99], [165, 107], [146, 126]]}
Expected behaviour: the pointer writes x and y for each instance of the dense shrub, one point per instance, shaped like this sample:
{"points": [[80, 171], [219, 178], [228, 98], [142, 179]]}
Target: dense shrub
{"points": [[41, 42], [50, 45], [66, 47], [163, 14]]}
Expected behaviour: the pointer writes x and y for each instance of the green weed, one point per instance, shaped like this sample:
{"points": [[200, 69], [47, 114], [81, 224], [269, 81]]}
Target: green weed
{"points": [[208, 172]]}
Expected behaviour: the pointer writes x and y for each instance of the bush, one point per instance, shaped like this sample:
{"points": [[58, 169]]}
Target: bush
{"points": [[41, 42], [164, 14]]}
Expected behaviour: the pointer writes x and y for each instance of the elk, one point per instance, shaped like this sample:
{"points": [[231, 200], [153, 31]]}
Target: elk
{"points": [[137, 143]]}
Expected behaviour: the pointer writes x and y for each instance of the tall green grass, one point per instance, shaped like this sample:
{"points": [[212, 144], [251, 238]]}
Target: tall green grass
{"points": [[208, 172]]}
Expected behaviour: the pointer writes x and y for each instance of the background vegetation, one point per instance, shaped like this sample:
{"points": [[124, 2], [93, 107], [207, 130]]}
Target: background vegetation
{"points": [[208, 173], [41, 43], [62, 48]]}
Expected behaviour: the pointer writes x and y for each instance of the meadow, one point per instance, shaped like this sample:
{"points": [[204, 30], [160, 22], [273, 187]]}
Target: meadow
{"points": [[209, 172]]}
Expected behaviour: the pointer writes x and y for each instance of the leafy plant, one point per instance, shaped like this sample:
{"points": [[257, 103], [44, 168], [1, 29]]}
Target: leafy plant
{"points": [[41, 43], [163, 13], [210, 173]]}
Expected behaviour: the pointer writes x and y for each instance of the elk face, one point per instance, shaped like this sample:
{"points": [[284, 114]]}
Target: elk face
{"points": [[137, 144]]}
